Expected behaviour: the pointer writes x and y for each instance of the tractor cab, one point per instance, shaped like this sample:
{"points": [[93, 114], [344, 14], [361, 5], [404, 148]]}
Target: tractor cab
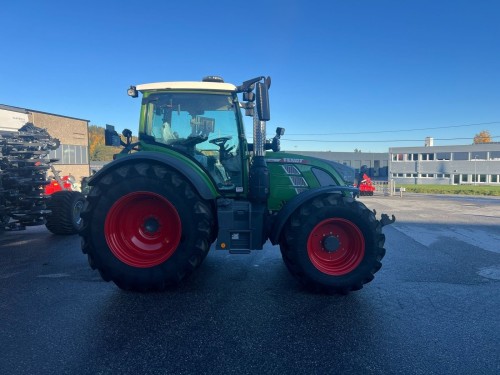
{"points": [[201, 125], [203, 121]]}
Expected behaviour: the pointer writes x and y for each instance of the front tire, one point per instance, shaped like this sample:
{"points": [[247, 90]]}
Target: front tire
{"points": [[145, 227], [333, 244]]}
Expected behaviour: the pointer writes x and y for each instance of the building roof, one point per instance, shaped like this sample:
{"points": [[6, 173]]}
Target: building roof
{"points": [[26, 110], [493, 146], [13, 109], [331, 155]]}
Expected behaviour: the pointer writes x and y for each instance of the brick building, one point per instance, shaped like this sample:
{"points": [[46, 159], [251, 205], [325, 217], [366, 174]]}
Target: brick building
{"points": [[72, 154]]}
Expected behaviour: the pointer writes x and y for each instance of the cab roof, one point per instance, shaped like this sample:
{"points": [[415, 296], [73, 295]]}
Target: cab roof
{"points": [[217, 86]]}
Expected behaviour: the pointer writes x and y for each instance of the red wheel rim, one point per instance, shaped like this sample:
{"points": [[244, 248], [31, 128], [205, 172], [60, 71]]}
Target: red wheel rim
{"points": [[349, 246], [143, 229]]}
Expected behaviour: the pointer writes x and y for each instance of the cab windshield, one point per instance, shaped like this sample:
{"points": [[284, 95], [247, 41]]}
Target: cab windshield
{"points": [[203, 126]]}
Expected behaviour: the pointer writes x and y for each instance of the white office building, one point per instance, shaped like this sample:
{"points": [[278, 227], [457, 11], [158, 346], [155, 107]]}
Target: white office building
{"points": [[446, 165]]}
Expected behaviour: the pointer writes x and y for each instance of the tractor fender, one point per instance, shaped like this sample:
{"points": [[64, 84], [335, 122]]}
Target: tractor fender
{"points": [[195, 174], [297, 201]]}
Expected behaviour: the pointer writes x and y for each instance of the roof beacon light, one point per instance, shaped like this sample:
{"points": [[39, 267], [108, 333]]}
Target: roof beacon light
{"points": [[213, 79]]}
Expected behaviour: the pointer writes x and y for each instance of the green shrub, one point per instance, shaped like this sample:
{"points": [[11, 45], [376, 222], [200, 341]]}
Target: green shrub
{"points": [[453, 189]]}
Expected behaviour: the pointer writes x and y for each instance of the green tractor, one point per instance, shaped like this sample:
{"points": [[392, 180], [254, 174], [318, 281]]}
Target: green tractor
{"points": [[192, 179]]}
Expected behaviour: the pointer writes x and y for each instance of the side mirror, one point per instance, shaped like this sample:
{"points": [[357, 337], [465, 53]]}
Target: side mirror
{"points": [[262, 102], [111, 137], [127, 133]]}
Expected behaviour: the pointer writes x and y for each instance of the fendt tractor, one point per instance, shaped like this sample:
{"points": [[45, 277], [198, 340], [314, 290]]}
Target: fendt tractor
{"points": [[24, 197], [192, 179]]}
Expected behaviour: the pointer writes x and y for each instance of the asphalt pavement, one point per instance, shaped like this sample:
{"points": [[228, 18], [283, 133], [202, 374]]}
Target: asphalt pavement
{"points": [[433, 308]]}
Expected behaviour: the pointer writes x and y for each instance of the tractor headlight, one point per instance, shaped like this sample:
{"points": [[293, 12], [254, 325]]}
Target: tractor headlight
{"points": [[132, 91]]}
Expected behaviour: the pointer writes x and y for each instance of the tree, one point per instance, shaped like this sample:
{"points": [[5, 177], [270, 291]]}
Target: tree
{"points": [[97, 150], [105, 153], [96, 138], [483, 136]]}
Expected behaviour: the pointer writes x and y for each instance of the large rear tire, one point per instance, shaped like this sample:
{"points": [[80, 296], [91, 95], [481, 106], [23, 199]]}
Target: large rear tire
{"points": [[66, 207], [333, 244], [145, 227]]}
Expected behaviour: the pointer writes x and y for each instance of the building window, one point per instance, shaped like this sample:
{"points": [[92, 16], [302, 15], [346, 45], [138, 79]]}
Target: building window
{"points": [[464, 178], [494, 155], [443, 156], [397, 157], [481, 155], [427, 156], [70, 154], [479, 178], [412, 157], [494, 178], [78, 153], [460, 156]]}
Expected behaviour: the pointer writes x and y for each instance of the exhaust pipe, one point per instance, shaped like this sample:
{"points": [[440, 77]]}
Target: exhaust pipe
{"points": [[259, 135], [259, 173]]}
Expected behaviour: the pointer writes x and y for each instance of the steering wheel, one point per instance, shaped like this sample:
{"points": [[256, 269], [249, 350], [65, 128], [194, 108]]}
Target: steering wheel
{"points": [[221, 141]]}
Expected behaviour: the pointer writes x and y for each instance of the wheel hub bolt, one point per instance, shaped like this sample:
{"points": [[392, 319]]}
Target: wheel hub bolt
{"points": [[331, 244]]}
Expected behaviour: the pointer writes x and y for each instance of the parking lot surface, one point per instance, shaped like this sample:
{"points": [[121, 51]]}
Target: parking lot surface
{"points": [[433, 308]]}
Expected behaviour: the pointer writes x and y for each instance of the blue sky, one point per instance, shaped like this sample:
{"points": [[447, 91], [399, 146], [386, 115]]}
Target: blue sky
{"points": [[345, 74]]}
